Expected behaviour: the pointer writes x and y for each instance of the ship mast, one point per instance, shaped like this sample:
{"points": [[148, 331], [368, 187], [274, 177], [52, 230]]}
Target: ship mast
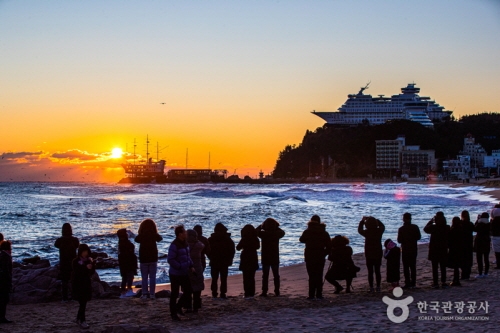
{"points": [[209, 160], [135, 145], [186, 158], [157, 152], [147, 148]]}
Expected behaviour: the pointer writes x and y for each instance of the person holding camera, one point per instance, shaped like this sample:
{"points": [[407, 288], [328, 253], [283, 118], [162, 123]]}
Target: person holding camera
{"points": [[249, 261], [342, 266], [181, 265], [83, 269], [372, 230], [438, 247]]}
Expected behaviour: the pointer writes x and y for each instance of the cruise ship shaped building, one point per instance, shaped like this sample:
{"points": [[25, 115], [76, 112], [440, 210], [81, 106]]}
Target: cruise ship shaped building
{"points": [[360, 108]]}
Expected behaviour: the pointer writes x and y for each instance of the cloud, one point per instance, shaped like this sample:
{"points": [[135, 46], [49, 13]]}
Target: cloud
{"points": [[76, 154], [21, 154]]}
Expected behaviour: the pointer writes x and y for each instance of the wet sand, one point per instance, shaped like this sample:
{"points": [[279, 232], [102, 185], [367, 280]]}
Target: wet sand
{"points": [[291, 312]]}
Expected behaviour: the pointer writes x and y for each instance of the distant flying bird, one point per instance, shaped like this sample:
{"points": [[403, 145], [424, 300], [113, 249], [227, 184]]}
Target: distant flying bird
{"points": [[160, 103]]}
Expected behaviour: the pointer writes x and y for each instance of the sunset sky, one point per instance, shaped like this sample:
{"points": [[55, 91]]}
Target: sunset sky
{"points": [[238, 79]]}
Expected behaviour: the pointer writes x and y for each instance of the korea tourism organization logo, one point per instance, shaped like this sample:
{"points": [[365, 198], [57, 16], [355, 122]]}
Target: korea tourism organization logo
{"points": [[435, 310]]}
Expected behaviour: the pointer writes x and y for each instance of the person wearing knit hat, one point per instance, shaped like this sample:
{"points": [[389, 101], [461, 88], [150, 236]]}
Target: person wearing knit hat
{"points": [[221, 257], [318, 246]]}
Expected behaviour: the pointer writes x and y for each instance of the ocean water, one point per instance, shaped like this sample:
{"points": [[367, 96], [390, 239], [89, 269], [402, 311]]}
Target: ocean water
{"points": [[31, 214]]}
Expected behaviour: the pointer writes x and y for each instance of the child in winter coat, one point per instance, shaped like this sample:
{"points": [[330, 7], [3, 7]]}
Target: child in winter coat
{"points": [[393, 255], [83, 269], [249, 262], [127, 261]]}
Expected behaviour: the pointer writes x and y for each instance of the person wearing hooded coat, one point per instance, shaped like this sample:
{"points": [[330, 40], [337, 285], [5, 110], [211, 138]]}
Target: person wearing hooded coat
{"points": [[5, 279], [197, 280], [468, 243], [372, 230], [482, 244], [456, 249], [67, 245], [206, 248], [249, 262], [438, 247], [495, 233], [181, 265], [270, 233], [392, 254], [318, 246], [408, 236], [221, 257], [342, 265], [127, 261], [147, 237], [83, 269]]}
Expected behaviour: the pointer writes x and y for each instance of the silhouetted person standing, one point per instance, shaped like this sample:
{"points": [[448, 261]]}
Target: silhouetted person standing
{"points": [[456, 252], [206, 249], [5, 279], [270, 233], [468, 255], [147, 237], [83, 269], [372, 230], [221, 257], [482, 244], [318, 246], [179, 260], [197, 279], [438, 247], [495, 239], [408, 236], [249, 262], [67, 245]]}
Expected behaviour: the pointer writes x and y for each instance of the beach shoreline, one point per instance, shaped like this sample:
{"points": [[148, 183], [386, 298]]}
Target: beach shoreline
{"points": [[290, 312]]}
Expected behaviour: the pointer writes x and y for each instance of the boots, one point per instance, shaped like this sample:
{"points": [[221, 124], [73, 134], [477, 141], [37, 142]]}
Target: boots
{"points": [[338, 287]]}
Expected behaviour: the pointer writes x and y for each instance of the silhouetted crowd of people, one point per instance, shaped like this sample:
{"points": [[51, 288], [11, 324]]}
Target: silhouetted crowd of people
{"points": [[450, 246]]}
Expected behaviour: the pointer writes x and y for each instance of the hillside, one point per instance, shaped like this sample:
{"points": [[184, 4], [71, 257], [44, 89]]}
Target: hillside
{"points": [[352, 150]]}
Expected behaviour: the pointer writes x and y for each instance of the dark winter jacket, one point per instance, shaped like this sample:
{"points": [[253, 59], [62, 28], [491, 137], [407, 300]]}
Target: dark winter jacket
{"points": [[270, 253], [148, 251], [456, 247], [67, 246], [126, 257], [318, 242], [468, 230], [206, 250], [438, 243], [179, 258], [393, 257], [248, 245], [482, 241], [196, 251], [495, 226], [373, 239], [408, 236], [222, 247], [81, 283], [342, 264], [5, 272]]}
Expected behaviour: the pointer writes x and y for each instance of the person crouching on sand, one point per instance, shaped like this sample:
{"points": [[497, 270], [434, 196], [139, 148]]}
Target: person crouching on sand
{"points": [[342, 266], [270, 233], [392, 254], [372, 229], [249, 261], [127, 261], [318, 246], [181, 265], [83, 269], [5, 279]]}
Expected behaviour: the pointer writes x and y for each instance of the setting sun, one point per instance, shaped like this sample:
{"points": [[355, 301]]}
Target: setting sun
{"points": [[116, 153]]}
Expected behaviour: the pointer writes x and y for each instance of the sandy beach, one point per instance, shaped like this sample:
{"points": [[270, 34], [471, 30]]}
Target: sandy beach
{"points": [[291, 312]]}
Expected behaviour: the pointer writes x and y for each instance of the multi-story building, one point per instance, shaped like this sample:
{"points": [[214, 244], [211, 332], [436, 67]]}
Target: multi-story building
{"points": [[459, 168], [416, 162], [388, 153], [475, 151]]}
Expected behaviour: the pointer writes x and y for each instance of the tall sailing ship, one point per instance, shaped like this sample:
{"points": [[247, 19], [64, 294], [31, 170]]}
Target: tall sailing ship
{"points": [[362, 108]]}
